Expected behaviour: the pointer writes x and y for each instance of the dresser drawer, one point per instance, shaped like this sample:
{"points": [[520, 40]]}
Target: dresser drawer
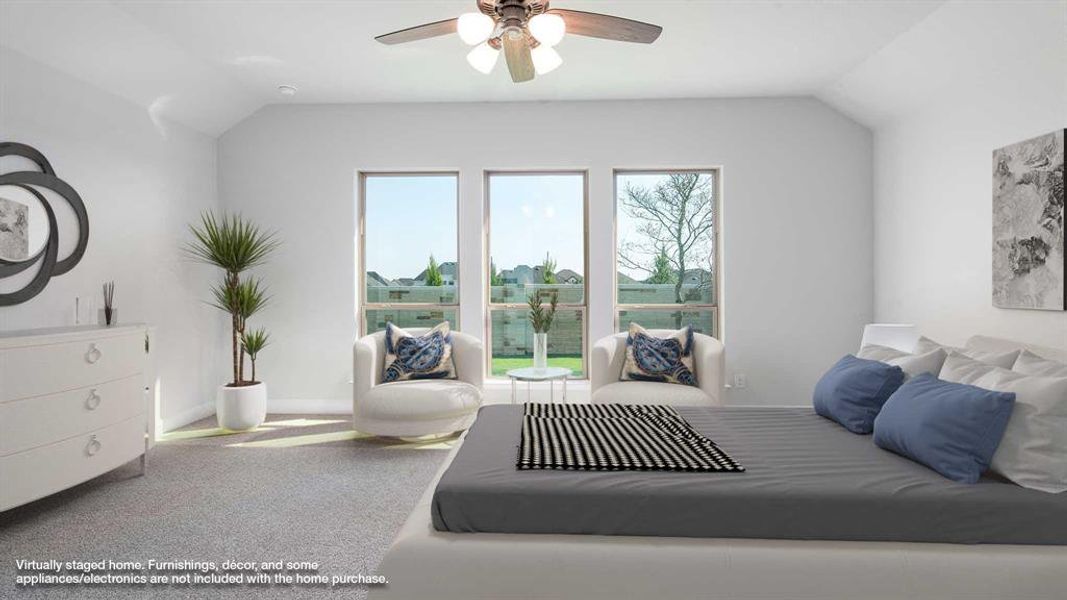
{"points": [[41, 420], [48, 368], [36, 473]]}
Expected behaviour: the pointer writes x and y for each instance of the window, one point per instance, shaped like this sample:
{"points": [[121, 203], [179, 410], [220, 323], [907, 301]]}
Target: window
{"points": [[536, 246], [408, 245], [666, 256]]}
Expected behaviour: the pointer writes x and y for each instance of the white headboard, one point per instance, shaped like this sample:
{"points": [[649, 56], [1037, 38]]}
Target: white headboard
{"points": [[901, 336], [991, 344]]}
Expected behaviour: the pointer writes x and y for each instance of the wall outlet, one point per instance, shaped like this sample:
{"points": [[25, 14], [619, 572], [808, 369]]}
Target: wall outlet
{"points": [[740, 381]]}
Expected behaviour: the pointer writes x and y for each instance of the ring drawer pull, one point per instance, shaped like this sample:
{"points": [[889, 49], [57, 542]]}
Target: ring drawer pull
{"points": [[93, 400], [93, 354], [93, 447]]}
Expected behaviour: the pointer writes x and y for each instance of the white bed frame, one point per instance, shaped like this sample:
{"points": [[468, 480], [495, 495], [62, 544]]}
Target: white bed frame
{"points": [[425, 563]]}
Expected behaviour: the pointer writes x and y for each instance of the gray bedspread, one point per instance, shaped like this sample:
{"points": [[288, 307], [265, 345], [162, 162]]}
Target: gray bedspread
{"points": [[807, 478]]}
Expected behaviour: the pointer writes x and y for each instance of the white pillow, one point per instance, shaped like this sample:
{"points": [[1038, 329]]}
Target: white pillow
{"points": [[1029, 363], [1033, 451], [1003, 360], [912, 364]]}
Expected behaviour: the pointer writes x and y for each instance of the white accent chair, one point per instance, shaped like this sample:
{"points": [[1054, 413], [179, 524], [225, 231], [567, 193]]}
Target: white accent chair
{"points": [[609, 354], [410, 409]]}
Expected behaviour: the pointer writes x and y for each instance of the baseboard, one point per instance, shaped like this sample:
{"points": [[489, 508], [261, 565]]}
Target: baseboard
{"points": [[306, 406], [189, 415]]}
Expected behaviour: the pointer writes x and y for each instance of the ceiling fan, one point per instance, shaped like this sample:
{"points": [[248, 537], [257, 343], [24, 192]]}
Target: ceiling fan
{"points": [[526, 30]]}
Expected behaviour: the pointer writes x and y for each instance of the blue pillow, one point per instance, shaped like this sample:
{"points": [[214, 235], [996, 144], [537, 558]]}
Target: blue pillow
{"points": [[854, 390], [953, 428]]}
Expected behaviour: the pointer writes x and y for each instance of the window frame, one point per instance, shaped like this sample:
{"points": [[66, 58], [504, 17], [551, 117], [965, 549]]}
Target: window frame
{"points": [[361, 269], [489, 306], [714, 307]]}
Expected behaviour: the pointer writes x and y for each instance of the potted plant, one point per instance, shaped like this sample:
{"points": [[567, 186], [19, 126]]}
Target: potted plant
{"points": [[541, 321], [252, 342], [234, 245]]}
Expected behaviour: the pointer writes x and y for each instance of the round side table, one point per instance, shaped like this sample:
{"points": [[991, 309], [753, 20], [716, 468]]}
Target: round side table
{"points": [[549, 374]]}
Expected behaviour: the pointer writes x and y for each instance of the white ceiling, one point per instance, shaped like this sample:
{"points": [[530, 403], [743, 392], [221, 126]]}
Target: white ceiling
{"points": [[211, 63]]}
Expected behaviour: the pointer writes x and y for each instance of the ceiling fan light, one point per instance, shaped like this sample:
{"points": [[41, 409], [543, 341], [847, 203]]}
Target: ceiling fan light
{"points": [[545, 59], [548, 28], [483, 58], [474, 27]]}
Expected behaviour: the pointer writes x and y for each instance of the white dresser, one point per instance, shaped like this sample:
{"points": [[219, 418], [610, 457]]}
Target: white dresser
{"points": [[73, 405]]}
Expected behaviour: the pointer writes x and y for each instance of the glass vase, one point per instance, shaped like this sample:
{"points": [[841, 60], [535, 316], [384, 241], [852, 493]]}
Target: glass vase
{"points": [[540, 350]]}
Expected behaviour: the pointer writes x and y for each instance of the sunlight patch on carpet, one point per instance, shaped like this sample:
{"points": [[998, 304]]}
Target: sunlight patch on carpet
{"points": [[437, 444], [304, 422], [302, 440], [192, 434]]}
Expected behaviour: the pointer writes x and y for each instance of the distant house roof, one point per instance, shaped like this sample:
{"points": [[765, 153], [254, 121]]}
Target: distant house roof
{"points": [[525, 274], [567, 275], [446, 269], [697, 275], [406, 281], [376, 280], [691, 277], [521, 274], [624, 278]]}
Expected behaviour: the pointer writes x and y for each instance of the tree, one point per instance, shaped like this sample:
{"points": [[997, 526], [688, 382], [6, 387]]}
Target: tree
{"points": [[433, 274], [494, 278], [662, 271], [548, 270], [676, 219]]}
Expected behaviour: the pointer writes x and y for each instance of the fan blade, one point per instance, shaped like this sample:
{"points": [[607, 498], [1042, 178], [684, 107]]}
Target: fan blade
{"points": [[520, 63], [607, 27], [419, 32]]}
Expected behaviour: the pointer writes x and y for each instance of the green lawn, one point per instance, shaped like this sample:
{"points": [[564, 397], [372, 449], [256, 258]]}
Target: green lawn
{"points": [[502, 365]]}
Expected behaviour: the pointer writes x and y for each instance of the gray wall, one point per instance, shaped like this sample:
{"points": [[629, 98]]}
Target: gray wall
{"points": [[142, 180], [797, 284], [940, 105]]}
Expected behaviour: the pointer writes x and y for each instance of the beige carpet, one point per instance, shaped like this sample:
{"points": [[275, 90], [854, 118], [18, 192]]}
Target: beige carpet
{"points": [[300, 488]]}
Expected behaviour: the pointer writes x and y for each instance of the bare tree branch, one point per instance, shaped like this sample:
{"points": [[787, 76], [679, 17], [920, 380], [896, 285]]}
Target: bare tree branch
{"points": [[676, 220]]}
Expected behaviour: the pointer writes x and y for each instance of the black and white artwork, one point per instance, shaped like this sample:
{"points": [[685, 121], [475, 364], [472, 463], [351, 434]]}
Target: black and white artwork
{"points": [[1028, 224], [14, 230]]}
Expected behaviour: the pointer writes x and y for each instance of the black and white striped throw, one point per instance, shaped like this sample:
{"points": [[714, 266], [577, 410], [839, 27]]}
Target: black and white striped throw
{"points": [[616, 437]]}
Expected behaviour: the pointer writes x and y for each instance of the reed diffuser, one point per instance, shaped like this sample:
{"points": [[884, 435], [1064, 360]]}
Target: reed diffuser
{"points": [[110, 315]]}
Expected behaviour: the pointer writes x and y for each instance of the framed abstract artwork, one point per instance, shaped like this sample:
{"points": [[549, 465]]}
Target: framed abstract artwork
{"points": [[1028, 224], [14, 230]]}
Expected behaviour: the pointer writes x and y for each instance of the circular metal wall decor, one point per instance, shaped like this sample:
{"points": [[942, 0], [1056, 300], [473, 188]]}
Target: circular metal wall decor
{"points": [[17, 225]]}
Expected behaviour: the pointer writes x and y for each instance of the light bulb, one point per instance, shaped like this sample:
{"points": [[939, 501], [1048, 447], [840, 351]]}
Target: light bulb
{"points": [[474, 27], [548, 28], [545, 59], [483, 58]]}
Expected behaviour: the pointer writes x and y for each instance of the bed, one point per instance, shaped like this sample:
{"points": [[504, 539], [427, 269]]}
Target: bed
{"points": [[520, 537]]}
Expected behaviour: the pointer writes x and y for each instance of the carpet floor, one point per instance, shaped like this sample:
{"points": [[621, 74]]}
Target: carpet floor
{"points": [[300, 488]]}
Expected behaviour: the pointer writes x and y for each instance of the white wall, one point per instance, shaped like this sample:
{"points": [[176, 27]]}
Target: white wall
{"points": [[797, 209], [142, 180], [971, 78]]}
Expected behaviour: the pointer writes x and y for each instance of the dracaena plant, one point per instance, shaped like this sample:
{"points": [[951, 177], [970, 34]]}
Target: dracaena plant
{"points": [[234, 245], [252, 342]]}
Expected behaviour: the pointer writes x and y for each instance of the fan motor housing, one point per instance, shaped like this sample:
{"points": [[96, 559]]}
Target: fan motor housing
{"points": [[501, 8]]}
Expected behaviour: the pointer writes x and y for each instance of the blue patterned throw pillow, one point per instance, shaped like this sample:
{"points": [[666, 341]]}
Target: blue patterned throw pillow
{"points": [[428, 356], [664, 360]]}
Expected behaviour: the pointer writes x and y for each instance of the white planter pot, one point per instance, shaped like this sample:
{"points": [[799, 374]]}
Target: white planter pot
{"points": [[240, 408]]}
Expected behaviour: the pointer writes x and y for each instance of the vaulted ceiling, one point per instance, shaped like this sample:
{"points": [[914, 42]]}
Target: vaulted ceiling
{"points": [[209, 64]]}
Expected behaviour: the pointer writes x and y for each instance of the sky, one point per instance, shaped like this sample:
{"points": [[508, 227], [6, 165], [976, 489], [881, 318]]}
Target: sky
{"points": [[410, 217], [530, 215]]}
